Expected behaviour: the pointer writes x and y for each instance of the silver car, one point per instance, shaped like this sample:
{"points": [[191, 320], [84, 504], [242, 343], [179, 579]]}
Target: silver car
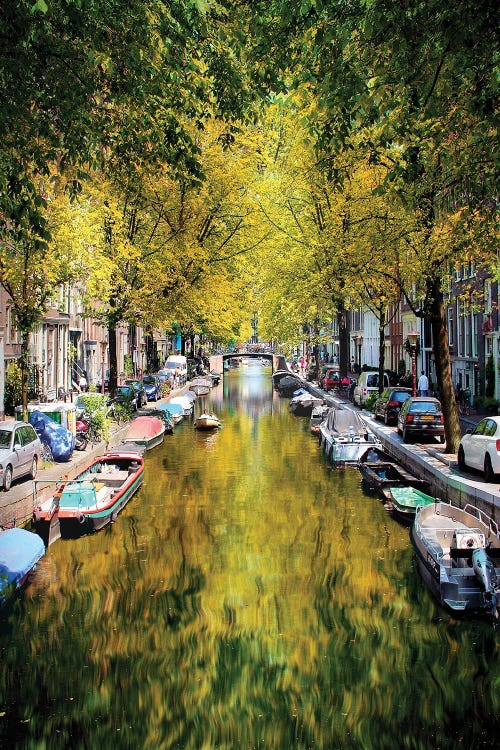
{"points": [[20, 450]]}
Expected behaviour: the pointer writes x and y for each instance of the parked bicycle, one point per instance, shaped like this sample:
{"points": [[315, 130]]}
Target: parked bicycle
{"points": [[464, 403]]}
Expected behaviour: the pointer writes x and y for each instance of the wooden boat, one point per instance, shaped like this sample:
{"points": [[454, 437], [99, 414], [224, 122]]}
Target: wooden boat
{"points": [[207, 422], [458, 555], [174, 410], [303, 404], [91, 500], [148, 431], [344, 437], [406, 500], [20, 550], [201, 386], [382, 475]]}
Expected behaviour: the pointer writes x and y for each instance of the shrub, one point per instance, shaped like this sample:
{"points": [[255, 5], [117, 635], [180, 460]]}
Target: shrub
{"points": [[370, 401], [13, 388]]}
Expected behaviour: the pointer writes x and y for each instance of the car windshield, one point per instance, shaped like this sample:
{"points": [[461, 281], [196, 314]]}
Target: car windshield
{"points": [[124, 390], [148, 380], [5, 436], [424, 407], [400, 396], [372, 381]]}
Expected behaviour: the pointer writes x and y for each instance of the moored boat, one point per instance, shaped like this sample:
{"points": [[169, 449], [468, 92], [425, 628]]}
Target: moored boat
{"points": [[148, 431], [174, 410], [287, 385], [207, 421], [318, 414], [406, 500], [20, 550], [302, 405], [186, 403], [201, 386], [344, 437], [458, 555], [383, 475], [91, 500], [165, 417]]}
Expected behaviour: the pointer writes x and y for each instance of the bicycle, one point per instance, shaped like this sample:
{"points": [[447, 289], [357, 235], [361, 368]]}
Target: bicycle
{"points": [[464, 404]]}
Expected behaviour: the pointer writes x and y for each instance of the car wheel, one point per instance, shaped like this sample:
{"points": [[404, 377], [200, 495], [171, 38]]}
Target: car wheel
{"points": [[7, 478], [489, 474], [406, 437], [34, 467], [386, 420], [461, 459]]}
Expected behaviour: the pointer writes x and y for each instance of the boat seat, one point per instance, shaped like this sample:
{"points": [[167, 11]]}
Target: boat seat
{"points": [[111, 478]]}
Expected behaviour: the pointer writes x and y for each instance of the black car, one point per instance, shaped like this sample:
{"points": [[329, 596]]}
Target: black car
{"points": [[389, 403], [421, 416]]}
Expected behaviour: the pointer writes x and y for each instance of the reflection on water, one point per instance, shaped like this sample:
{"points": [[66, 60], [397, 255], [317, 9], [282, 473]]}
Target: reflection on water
{"points": [[248, 597]]}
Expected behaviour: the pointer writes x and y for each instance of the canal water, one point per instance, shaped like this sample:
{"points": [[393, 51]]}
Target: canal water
{"points": [[249, 596]]}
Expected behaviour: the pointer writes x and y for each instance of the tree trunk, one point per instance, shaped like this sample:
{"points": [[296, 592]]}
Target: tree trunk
{"points": [[25, 338], [381, 350], [113, 360], [443, 367], [343, 341]]}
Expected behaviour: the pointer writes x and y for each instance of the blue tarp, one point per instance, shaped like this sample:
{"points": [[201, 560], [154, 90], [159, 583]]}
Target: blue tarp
{"points": [[20, 550], [60, 440]]}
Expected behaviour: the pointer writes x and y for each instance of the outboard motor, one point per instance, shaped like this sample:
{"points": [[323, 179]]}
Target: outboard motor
{"points": [[485, 573]]}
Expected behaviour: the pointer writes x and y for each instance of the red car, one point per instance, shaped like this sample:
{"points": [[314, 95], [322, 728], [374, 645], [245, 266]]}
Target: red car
{"points": [[331, 380]]}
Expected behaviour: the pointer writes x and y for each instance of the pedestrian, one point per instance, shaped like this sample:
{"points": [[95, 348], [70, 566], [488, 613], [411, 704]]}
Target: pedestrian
{"points": [[423, 384], [82, 383]]}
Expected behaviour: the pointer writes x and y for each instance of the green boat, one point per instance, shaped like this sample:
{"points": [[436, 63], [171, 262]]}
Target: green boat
{"points": [[406, 500]]}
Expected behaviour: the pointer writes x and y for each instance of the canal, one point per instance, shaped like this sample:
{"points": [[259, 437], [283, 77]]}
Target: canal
{"points": [[249, 596]]}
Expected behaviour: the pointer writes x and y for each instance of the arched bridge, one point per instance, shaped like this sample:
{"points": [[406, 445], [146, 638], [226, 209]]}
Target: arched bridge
{"points": [[277, 361]]}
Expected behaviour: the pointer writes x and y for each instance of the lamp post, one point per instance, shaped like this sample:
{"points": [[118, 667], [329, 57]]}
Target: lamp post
{"points": [[412, 340], [104, 346]]}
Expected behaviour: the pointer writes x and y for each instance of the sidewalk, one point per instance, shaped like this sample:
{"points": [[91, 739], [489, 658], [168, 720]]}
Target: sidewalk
{"points": [[16, 505]]}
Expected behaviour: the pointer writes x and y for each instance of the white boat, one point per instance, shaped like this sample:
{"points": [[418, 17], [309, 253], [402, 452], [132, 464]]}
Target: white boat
{"points": [[201, 386], [344, 437], [458, 555], [207, 422], [186, 404]]}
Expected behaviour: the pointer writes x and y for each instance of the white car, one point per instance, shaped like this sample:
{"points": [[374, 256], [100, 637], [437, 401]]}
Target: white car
{"points": [[20, 449], [480, 448]]}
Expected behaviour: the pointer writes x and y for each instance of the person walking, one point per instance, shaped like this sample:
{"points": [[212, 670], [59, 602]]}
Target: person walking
{"points": [[82, 383], [423, 384]]}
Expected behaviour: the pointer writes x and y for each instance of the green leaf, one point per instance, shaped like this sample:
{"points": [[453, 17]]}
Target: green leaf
{"points": [[40, 5]]}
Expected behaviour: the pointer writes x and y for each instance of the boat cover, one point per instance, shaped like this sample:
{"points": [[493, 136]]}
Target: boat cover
{"points": [[20, 550], [145, 428], [171, 408], [344, 422], [60, 440]]}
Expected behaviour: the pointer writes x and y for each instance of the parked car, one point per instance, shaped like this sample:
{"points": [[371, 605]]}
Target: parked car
{"points": [[421, 416], [125, 395], [367, 384], [330, 380], [389, 403], [20, 449], [140, 393], [480, 448], [152, 386]]}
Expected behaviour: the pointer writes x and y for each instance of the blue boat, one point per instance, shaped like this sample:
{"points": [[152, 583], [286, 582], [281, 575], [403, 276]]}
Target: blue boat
{"points": [[20, 550]]}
